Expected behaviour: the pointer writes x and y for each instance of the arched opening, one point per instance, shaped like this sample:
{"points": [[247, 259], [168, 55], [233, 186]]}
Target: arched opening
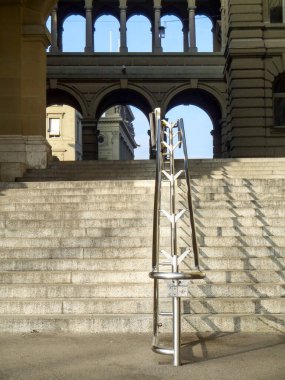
{"points": [[207, 129], [123, 134], [198, 128], [173, 40], [107, 34], [48, 23], [58, 96], [135, 108], [73, 37], [279, 101], [139, 37], [204, 34]]}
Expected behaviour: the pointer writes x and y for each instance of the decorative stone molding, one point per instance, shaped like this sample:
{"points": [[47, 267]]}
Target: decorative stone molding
{"points": [[19, 153]]}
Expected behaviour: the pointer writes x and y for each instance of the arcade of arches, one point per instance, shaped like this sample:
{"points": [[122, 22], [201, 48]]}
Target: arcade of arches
{"points": [[239, 84]]}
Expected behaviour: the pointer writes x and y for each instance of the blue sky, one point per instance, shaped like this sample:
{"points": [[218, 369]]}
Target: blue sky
{"points": [[197, 123]]}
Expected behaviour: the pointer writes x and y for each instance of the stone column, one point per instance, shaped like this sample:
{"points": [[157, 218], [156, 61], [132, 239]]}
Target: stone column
{"points": [[123, 26], [224, 24], [89, 31], [22, 92], [185, 31], [89, 139], [156, 40], [54, 33], [192, 26]]}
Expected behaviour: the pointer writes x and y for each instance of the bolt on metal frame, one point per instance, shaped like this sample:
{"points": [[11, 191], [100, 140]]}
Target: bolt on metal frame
{"points": [[169, 137]]}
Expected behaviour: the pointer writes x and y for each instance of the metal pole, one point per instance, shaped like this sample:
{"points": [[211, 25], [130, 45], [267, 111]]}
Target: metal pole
{"points": [[176, 330]]}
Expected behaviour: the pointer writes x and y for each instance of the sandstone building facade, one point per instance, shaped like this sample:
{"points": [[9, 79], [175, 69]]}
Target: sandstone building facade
{"points": [[240, 84]]}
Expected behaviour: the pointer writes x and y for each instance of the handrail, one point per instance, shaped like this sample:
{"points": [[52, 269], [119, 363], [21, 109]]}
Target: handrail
{"points": [[165, 147], [189, 194]]}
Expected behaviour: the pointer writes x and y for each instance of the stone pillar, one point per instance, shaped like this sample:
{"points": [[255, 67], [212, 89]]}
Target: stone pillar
{"points": [[156, 40], [123, 26], [185, 31], [192, 26], [224, 24], [54, 33], [89, 47], [89, 139], [59, 37], [22, 91]]}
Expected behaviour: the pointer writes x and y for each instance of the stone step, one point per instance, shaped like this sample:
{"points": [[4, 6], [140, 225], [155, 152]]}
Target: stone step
{"points": [[86, 211], [142, 252], [136, 203], [134, 197], [140, 306], [145, 176], [129, 323], [138, 276], [73, 198], [124, 222], [138, 290], [95, 232], [139, 231], [139, 264], [75, 185], [75, 215], [118, 242], [240, 231]]}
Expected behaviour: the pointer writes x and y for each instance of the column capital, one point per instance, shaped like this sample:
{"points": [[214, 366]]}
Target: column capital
{"points": [[157, 4], [123, 4], [88, 4], [191, 4]]}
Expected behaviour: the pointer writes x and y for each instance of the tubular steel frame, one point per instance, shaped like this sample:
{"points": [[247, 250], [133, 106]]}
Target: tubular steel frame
{"points": [[167, 140]]}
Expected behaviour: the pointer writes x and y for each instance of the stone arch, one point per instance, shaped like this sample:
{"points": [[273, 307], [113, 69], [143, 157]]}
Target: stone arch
{"points": [[65, 95], [130, 95], [105, 10], [205, 98]]}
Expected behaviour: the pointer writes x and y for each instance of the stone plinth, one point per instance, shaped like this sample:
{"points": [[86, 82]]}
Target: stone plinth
{"points": [[19, 153]]}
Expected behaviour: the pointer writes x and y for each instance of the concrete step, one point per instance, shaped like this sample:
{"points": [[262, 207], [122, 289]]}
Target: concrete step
{"points": [[140, 306], [125, 276], [129, 323]]}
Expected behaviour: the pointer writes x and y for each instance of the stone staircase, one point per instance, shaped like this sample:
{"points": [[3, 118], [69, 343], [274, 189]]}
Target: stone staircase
{"points": [[76, 238]]}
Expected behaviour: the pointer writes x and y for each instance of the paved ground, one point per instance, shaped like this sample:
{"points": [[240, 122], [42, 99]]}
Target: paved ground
{"points": [[220, 356]]}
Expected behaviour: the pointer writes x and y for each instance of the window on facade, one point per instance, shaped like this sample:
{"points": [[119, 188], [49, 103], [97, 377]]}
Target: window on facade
{"points": [[279, 102], [277, 11], [54, 127]]}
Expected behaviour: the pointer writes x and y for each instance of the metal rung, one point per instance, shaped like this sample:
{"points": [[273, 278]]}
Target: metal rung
{"points": [[176, 275], [162, 350]]}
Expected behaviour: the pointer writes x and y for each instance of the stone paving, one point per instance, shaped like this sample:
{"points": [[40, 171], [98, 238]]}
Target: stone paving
{"points": [[213, 356]]}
